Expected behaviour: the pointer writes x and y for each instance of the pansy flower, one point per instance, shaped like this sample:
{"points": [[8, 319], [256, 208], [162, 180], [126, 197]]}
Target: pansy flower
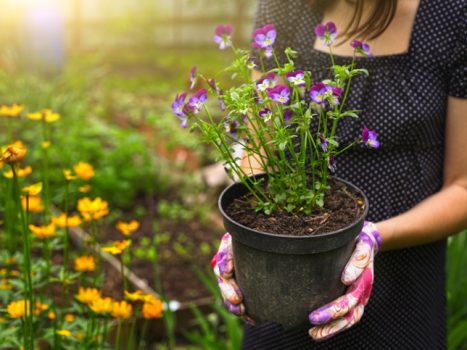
{"points": [[279, 93], [287, 115], [232, 128], [223, 36], [323, 143], [333, 95], [213, 85], [264, 37], [197, 101], [192, 77], [361, 47], [177, 105], [318, 93], [326, 32], [265, 113], [369, 138], [266, 82], [332, 163], [296, 78]]}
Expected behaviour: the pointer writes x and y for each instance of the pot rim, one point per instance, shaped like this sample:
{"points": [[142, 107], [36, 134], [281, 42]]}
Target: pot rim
{"points": [[311, 236]]}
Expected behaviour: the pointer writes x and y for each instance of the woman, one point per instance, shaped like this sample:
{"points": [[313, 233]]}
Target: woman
{"points": [[416, 182]]}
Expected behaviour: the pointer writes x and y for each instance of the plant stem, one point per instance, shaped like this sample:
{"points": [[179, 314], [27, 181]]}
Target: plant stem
{"points": [[143, 333], [119, 330]]}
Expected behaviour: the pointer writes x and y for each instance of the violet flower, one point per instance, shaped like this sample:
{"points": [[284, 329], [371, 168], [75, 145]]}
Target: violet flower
{"points": [[178, 103], [332, 163], [296, 78], [326, 32], [279, 93], [266, 82], [197, 101], [323, 142], [369, 138], [287, 115], [318, 92], [264, 37], [232, 128], [361, 47], [212, 84], [334, 94], [192, 77], [265, 113], [222, 36]]}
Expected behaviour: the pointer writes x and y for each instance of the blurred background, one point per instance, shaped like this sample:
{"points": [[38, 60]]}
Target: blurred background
{"points": [[111, 68]]}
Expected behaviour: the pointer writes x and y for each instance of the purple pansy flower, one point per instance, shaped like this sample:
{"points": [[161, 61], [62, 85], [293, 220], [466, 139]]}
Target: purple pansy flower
{"points": [[212, 84], [287, 116], [369, 138], [323, 142], [334, 94], [326, 32], [264, 37], [279, 93], [192, 77], [332, 163], [296, 78], [361, 47], [318, 92], [232, 127], [178, 103], [265, 113], [222, 36], [197, 101], [266, 82]]}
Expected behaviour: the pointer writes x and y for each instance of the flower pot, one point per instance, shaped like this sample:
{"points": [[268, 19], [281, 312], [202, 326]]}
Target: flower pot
{"points": [[284, 277]]}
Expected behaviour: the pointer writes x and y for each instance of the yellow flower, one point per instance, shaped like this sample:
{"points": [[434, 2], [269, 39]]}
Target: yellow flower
{"points": [[85, 188], [40, 307], [33, 190], [51, 315], [46, 144], [122, 310], [135, 296], [34, 204], [117, 247], [84, 263], [43, 232], [64, 332], [93, 209], [20, 172], [69, 175], [4, 285], [16, 308], [69, 318], [61, 220], [153, 309], [87, 295], [10, 261], [127, 228], [13, 154], [11, 111], [84, 170], [102, 305], [47, 115]]}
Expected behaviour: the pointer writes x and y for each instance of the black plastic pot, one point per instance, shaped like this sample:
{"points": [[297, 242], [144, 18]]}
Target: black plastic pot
{"points": [[284, 277]]}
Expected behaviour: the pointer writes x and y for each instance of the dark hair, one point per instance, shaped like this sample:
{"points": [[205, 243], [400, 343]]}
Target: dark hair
{"points": [[378, 21]]}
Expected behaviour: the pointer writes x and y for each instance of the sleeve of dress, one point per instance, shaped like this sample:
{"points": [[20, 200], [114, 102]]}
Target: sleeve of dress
{"points": [[457, 78], [274, 12]]}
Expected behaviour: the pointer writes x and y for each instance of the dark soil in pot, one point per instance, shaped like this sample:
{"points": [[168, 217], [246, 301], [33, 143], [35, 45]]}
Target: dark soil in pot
{"points": [[285, 265], [342, 206]]}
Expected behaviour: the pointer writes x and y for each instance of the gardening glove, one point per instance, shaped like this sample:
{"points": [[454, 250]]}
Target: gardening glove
{"points": [[223, 266], [347, 310]]}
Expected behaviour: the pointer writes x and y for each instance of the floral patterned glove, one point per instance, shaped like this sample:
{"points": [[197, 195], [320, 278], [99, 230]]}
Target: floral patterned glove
{"points": [[347, 310], [222, 264]]}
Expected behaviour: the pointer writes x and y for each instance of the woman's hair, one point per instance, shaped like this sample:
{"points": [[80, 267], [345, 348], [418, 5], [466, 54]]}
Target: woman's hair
{"points": [[379, 19]]}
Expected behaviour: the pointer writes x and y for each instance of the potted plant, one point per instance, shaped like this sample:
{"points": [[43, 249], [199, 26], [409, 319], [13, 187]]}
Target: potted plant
{"points": [[293, 226]]}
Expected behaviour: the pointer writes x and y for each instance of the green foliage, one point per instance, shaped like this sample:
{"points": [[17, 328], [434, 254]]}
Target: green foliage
{"points": [[457, 292]]}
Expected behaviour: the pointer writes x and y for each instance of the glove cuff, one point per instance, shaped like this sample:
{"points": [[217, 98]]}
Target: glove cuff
{"points": [[370, 229]]}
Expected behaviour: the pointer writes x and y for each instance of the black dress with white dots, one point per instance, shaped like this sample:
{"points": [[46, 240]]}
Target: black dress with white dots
{"points": [[404, 99]]}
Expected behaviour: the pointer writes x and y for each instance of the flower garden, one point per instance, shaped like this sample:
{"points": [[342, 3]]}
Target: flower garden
{"points": [[107, 215]]}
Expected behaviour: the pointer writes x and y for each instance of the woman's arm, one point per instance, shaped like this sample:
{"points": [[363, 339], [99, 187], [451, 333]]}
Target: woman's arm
{"points": [[444, 213]]}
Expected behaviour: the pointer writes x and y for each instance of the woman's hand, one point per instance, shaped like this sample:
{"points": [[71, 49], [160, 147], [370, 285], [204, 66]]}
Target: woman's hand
{"points": [[347, 310], [222, 264]]}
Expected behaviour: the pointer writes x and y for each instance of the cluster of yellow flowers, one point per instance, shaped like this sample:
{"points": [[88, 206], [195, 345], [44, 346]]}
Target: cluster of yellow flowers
{"points": [[20, 308], [11, 111]]}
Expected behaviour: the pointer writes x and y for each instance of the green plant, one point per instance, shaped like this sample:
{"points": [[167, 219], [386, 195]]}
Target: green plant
{"points": [[457, 291]]}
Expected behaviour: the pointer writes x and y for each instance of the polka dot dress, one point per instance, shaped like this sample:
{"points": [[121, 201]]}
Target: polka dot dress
{"points": [[404, 100]]}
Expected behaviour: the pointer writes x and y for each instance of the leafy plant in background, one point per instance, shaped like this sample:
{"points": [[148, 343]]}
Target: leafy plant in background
{"points": [[457, 291]]}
